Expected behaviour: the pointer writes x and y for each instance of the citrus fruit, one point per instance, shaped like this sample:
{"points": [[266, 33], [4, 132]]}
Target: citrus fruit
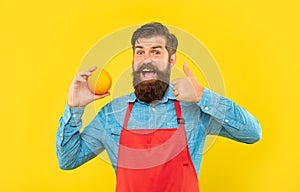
{"points": [[100, 84]]}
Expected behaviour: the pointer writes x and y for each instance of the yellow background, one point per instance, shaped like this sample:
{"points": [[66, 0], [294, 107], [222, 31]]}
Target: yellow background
{"points": [[255, 44]]}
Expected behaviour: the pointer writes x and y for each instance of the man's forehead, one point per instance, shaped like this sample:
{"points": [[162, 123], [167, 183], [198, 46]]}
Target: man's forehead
{"points": [[151, 41]]}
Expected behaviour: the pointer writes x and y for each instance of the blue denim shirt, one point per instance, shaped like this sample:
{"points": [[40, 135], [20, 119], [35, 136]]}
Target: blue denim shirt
{"points": [[213, 115]]}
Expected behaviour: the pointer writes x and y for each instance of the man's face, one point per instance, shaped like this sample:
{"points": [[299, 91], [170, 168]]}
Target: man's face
{"points": [[150, 50], [151, 68]]}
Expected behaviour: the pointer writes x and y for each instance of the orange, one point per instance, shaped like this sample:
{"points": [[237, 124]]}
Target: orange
{"points": [[100, 84]]}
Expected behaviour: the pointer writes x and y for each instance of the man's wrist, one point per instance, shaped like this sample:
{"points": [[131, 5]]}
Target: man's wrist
{"points": [[200, 93]]}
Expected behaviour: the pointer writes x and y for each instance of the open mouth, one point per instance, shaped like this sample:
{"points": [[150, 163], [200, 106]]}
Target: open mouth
{"points": [[148, 74]]}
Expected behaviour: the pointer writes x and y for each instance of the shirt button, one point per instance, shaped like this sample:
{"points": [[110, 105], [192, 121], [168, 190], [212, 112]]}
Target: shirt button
{"points": [[153, 109], [206, 108], [61, 134], [226, 120], [74, 115]]}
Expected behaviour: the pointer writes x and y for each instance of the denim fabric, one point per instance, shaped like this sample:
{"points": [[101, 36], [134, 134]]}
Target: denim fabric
{"points": [[213, 115]]}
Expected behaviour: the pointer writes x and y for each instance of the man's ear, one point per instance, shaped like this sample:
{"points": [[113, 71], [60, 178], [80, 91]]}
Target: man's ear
{"points": [[173, 59]]}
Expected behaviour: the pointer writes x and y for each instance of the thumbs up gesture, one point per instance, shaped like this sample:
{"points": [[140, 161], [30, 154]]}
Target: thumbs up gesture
{"points": [[188, 88]]}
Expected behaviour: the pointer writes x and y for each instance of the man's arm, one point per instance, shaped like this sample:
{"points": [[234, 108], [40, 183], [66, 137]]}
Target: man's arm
{"points": [[224, 117], [74, 148], [71, 145], [229, 120]]}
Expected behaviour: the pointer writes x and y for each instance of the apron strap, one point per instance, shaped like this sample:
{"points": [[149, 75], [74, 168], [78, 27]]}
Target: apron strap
{"points": [[180, 120], [129, 109]]}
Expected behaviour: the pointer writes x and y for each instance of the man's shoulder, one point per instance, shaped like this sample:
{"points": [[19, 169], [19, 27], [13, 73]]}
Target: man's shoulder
{"points": [[117, 104]]}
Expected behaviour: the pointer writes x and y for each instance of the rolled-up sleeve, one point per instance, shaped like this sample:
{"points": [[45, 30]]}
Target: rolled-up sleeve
{"points": [[229, 120]]}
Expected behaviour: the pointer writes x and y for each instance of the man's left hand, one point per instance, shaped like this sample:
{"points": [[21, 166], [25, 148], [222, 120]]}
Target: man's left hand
{"points": [[188, 88]]}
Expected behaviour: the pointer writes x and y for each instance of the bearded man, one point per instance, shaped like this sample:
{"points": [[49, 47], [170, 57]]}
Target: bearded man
{"points": [[155, 136]]}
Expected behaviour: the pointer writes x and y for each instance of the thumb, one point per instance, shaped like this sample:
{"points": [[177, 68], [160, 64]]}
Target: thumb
{"points": [[186, 70], [96, 97]]}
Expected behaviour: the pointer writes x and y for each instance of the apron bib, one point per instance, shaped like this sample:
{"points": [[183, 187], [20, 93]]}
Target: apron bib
{"points": [[155, 160]]}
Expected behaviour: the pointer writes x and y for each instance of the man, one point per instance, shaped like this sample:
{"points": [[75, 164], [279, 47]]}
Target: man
{"points": [[154, 136]]}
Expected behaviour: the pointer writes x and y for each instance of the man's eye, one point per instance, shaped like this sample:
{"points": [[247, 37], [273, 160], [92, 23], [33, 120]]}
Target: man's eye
{"points": [[139, 52], [156, 52]]}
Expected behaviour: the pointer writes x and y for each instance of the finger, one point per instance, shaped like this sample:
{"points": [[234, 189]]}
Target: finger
{"points": [[174, 82], [175, 92], [91, 69], [83, 76], [84, 73], [173, 88], [79, 79], [178, 98], [186, 70]]}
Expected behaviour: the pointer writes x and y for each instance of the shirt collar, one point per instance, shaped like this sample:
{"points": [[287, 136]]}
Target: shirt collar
{"points": [[168, 95]]}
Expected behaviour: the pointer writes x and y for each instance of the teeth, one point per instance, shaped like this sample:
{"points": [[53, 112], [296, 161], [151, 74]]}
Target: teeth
{"points": [[148, 70]]}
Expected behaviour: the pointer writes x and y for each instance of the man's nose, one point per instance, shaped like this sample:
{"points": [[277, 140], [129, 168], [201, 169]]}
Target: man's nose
{"points": [[147, 57]]}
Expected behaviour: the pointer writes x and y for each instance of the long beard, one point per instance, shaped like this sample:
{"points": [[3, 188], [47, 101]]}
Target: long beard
{"points": [[154, 89]]}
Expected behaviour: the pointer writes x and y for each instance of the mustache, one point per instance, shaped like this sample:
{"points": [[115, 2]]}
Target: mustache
{"points": [[148, 65], [152, 65]]}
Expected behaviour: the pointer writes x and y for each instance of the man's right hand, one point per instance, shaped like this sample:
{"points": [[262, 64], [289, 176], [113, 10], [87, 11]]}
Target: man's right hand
{"points": [[79, 93]]}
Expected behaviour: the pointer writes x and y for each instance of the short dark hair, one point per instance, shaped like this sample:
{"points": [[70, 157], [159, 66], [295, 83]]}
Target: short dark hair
{"points": [[156, 29]]}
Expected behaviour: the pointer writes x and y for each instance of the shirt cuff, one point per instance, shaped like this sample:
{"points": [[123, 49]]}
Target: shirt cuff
{"points": [[72, 115], [213, 104], [220, 108]]}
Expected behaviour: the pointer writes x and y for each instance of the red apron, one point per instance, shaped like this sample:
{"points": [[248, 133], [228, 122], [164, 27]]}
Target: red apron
{"points": [[155, 160]]}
